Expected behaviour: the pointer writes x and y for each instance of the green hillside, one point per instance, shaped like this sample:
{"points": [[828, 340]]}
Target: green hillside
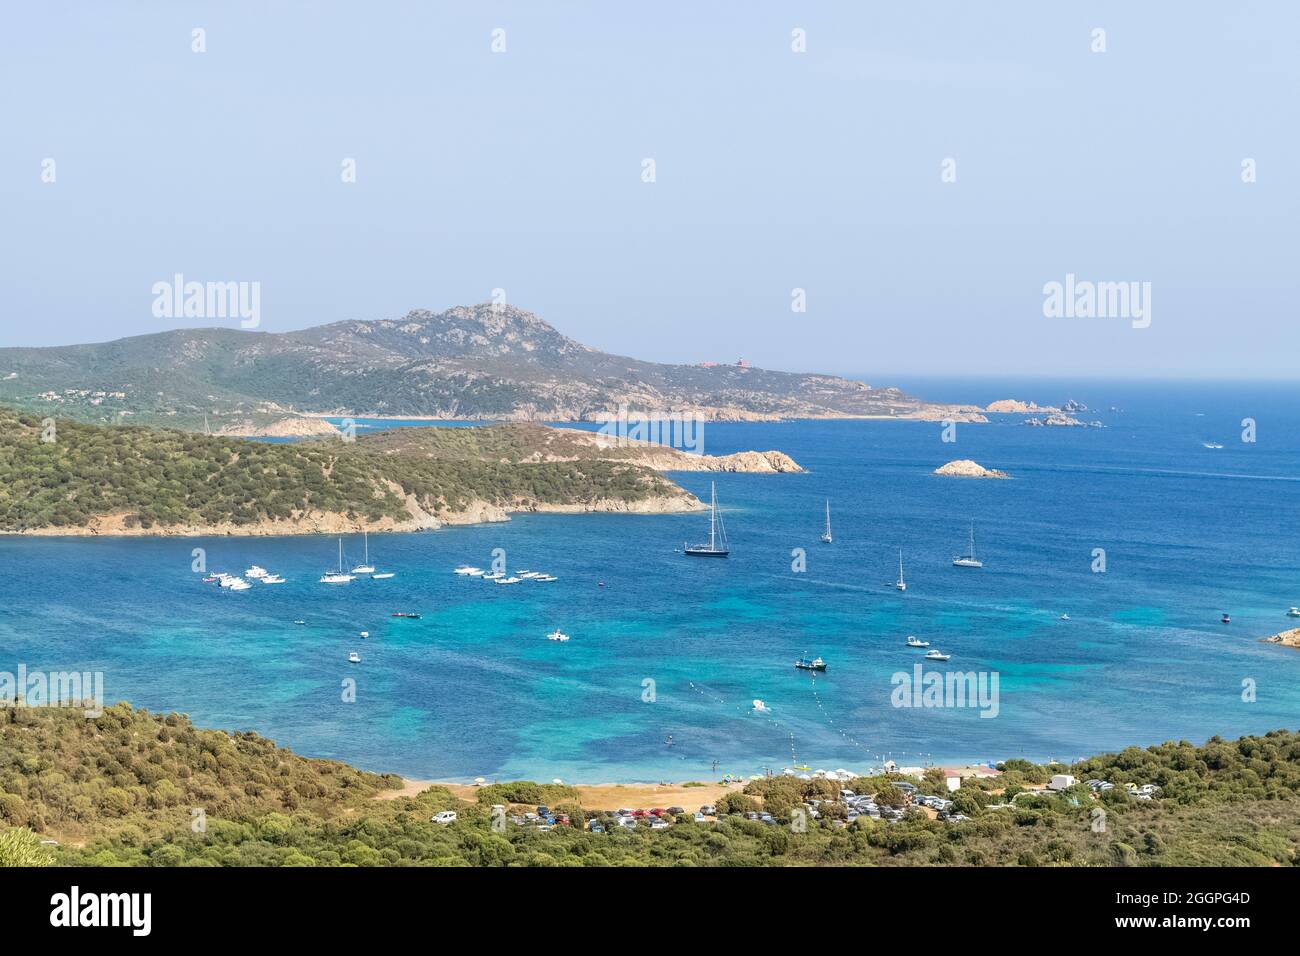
{"points": [[123, 789], [165, 477]]}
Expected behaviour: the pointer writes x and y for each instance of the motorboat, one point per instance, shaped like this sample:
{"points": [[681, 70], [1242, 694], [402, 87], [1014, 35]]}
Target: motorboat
{"points": [[913, 642], [937, 655], [557, 635], [816, 664]]}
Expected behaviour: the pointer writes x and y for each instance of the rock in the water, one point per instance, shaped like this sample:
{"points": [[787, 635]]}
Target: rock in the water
{"points": [[965, 468]]}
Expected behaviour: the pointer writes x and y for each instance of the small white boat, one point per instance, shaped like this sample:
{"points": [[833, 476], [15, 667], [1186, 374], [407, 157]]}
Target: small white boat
{"points": [[1064, 617], [760, 707], [236, 584], [1294, 612], [546, 577], [354, 658], [491, 575], [508, 580], [256, 572], [272, 579], [300, 622], [365, 633], [557, 635], [527, 575], [900, 584], [913, 642], [365, 567], [936, 655], [466, 569], [382, 576]]}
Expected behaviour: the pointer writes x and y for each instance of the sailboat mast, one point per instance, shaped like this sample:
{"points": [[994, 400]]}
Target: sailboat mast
{"points": [[713, 514]]}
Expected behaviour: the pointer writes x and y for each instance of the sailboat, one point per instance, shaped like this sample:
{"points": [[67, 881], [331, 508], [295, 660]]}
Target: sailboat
{"points": [[717, 546], [339, 576], [826, 535], [900, 583], [365, 567], [968, 559]]}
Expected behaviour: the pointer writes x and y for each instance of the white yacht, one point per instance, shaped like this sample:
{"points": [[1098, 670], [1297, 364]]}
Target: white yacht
{"points": [[236, 584], [466, 569], [826, 535], [968, 560], [936, 655], [1294, 612], [510, 580], [256, 572], [338, 576], [354, 658], [365, 567], [900, 583], [272, 579], [913, 642], [557, 635], [760, 707], [382, 576], [546, 577]]}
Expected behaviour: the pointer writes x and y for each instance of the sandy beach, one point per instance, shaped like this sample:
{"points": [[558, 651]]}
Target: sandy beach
{"points": [[634, 796]]}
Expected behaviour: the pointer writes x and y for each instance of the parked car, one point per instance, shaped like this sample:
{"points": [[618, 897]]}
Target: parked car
{"points": [[701, 818], [659, 824], [445, 817], [676, 810], [709, 810], [595, 828]]}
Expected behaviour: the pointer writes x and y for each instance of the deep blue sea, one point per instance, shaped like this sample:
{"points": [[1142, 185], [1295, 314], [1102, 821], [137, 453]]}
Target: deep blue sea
{"points": [[473, 688]]}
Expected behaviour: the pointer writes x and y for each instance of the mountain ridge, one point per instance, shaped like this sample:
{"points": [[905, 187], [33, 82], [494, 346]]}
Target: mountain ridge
{"points": [[466, 362]]}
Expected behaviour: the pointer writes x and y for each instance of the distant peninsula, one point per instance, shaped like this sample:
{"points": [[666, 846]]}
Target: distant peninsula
{"points": [[480, 362], [130, 480]]}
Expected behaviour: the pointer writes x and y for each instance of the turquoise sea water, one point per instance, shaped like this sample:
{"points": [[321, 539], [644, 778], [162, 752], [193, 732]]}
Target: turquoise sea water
{"points": [[475, 689]]}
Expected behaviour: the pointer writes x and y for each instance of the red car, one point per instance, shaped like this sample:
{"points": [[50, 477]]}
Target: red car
{"points": [[639, 813], [658, 812]]}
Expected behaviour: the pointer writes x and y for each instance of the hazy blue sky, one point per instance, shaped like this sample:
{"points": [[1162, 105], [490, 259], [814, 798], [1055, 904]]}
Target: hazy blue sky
{"points": [[775, 170]]}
